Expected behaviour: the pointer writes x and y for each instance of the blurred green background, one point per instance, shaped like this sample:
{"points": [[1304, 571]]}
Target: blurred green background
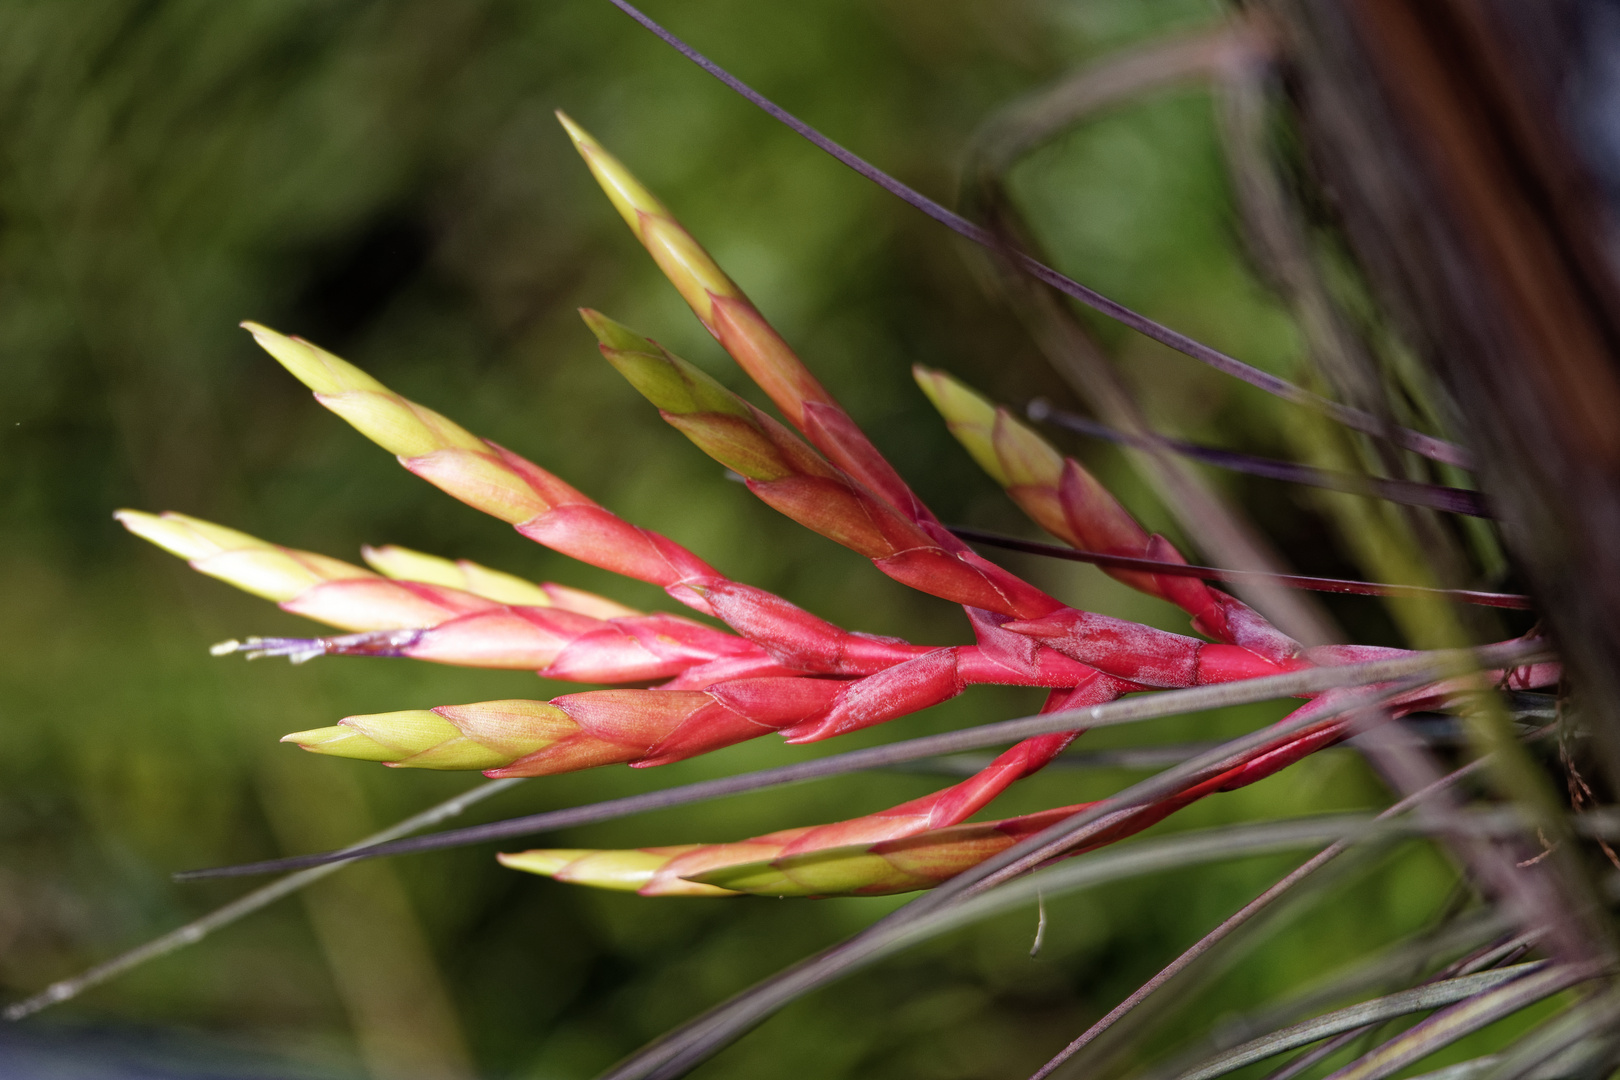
{"points": [[386, 178]]}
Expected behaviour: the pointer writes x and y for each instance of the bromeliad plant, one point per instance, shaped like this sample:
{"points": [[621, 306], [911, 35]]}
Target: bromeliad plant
{"points": [[776, 667]]}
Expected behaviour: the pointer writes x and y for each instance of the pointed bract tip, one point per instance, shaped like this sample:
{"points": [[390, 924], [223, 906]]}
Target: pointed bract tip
{"points": [[676, 386], [971, 418], [626, 870], [188, 537], [612, 334], [341, 741], [311, 365], [575, 132], [412, 738], [1036, 628], [952, 397], [546, 862], [411, 733], [629, 197]]}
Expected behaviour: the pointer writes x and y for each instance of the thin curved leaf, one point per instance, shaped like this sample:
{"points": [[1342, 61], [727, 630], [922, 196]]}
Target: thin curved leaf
{"points": [[1388, 1007], [1466, 1017]]}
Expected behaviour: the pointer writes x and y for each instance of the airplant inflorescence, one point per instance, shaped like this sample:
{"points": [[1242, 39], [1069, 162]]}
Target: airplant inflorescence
{"points": [[776, 668]]}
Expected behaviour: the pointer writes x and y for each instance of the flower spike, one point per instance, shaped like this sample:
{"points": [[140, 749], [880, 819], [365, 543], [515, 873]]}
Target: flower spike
{"points": [[1071, 504], [621, 871], [899, 850], [576, 731], [303, 582], [483, 736], [743, 332], [488, 477], [432, 620], [794, 479], [777, 864], [551, 641], [655, 727]]}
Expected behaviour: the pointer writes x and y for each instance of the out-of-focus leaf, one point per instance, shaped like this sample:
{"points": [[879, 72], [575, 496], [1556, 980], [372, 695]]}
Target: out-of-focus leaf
{"points": [[1445, 1028], [1388, 1007]]}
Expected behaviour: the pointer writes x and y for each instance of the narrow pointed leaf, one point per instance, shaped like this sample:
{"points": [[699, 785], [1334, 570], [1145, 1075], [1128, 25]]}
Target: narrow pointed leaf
{"points": [[1388, 1007]]}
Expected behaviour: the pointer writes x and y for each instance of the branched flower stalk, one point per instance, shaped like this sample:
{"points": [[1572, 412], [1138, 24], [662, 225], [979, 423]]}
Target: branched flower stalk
{"points": [[776, 668]]}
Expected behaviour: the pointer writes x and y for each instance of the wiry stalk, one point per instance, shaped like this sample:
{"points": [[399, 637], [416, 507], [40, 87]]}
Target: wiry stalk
{"points": [[1406, 492], [1162, 568], [221, 917]]}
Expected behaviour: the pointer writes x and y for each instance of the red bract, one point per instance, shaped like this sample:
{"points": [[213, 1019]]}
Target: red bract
{"points": [[655, 727], [792, 478]]}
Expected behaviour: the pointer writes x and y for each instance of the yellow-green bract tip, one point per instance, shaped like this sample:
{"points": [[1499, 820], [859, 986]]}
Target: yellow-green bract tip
{"points": [[341, 741], [579, 135], [674, 385], [311, 365], [261, 568], [970, 418], [629, 197], [625, 870], [412, 738], [187, 537], [546, 862], [615, 335], [402, 563], [397, 425]]}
